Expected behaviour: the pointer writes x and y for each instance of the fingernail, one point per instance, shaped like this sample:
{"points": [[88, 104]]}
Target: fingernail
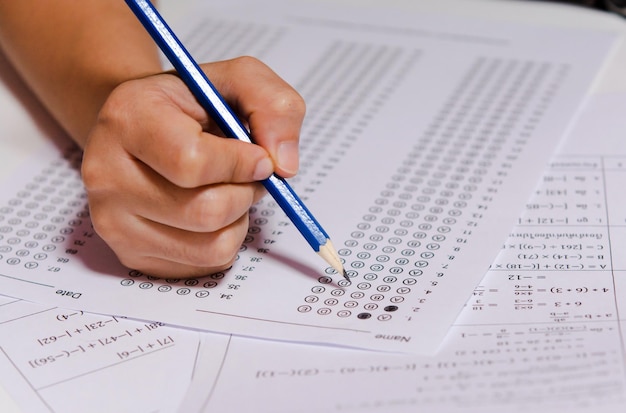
{"points": [[263, 169], [288, 156]]}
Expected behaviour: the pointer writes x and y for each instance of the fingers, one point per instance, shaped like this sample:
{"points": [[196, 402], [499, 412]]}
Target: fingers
{"points": [[273, 109], [172, 140], [165, 193], [194, 254], [167, 231], [204, 209]]}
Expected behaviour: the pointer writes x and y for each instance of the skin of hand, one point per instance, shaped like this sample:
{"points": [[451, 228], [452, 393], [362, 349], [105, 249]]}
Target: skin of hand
{"points": [[167, 193]]}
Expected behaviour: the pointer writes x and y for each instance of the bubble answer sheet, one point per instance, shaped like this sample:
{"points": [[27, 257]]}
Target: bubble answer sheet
{"points": [[542, 332], [424, 136]]}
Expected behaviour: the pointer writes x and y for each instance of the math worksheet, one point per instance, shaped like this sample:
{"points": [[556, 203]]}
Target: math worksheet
{"points": [[56, 360], [425, 135]]}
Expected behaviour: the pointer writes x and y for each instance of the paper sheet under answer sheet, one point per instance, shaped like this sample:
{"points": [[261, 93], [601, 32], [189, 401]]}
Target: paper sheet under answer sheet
{"points": [[422, 142], [57, 360]]}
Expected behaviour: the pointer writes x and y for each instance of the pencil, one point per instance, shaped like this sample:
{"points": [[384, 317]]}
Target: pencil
{"points": [[215, 105]]}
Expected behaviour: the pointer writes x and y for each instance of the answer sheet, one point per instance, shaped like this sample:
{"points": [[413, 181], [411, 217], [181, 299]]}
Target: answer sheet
{"points": [[544, 331], [424, 136]]}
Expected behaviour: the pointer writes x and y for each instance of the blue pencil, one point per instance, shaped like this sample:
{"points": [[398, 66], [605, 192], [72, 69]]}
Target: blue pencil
{"points": [[220, 112]]}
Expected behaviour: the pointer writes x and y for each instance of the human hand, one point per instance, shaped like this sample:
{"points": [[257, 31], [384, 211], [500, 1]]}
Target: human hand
{"points": [[166, 192]]}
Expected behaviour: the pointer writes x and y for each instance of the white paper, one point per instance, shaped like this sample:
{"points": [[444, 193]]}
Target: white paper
{"points": [[543, 332], [57, 360], [517, 346], [424, 136]]}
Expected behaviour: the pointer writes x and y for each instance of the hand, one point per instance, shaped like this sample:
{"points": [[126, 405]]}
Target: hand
{"points": [[166, 192]]}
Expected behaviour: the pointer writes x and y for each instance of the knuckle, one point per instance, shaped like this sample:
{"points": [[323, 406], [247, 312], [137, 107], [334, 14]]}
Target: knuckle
{"points": [[209, 256], [90, 174], [184, 164], [248, 61], [207, 213], [118, 106], [97, 178], [221, 249], [105, 225], [224, 249], [287, 101], [215, 209]]}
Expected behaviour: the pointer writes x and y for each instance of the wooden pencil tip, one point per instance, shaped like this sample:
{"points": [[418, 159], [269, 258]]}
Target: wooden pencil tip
{"points": [[329, 254]]}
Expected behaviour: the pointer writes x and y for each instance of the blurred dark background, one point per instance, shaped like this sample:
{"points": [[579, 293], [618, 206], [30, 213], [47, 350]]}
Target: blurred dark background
{"points": [[616, 6]]}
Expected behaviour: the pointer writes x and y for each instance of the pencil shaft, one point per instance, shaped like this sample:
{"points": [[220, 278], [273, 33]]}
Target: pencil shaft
{"points": [[210, 99], [297, 212]]}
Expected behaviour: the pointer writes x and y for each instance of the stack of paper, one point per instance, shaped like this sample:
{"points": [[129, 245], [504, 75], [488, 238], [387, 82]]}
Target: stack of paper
{"points": [[435, 131]]}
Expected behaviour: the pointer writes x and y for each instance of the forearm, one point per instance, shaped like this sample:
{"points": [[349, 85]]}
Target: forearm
{"points": [[73, 53]]}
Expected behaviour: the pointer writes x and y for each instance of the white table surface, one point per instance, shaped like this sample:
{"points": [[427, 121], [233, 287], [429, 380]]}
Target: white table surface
{"points": [[21, 118]]}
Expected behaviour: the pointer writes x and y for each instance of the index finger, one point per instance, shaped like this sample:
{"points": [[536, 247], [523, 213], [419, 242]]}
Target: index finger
{"points": [[273, 109], [166, 132]]}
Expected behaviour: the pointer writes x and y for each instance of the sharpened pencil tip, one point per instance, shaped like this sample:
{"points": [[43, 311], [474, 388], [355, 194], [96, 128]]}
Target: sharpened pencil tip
{"points": [[328, 252]]}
